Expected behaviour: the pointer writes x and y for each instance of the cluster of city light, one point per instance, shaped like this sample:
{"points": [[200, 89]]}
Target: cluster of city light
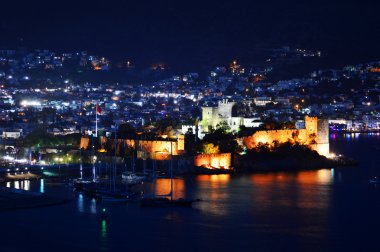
{"points": [[30, 103], [163, 95], [12, 159], [172, 95]]}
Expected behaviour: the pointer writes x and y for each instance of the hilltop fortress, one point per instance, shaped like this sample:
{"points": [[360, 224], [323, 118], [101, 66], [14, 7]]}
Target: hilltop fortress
{"points": [[315, 134]]}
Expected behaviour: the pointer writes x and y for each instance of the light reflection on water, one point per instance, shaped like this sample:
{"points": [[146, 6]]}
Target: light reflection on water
{"points": [[305, 189], [353, 137], [26, 185], [86, 205], [104, 228], [42, 185], [162, 187], [214, 190], [104, 238], [19, 184], [305, 210], [223, 194], [80, 203], [93, 206]]}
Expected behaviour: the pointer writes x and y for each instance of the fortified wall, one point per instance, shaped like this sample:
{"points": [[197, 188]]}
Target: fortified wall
{"points": [[315, 135], [84, 142], [153, 149], [221, 160], [157, 149]]}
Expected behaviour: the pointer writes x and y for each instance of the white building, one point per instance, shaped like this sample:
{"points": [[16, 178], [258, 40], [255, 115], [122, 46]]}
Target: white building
{"points": [[12, 134], [262, 101], [212, 116]]}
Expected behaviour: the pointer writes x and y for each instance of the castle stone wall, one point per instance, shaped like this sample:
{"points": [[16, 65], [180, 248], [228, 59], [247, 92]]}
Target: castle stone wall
{"points": [[222, 160], [280, 136], [155, 149], [315, 135]]}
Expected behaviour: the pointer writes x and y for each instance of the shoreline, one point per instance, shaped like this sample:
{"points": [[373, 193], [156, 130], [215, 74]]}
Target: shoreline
{"points": [[354, 131], [241, 165], [280, 165]]}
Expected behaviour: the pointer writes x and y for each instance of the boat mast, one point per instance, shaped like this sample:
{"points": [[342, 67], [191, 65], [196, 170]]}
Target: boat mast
{"points": [[96, 120], [171, 170], [114, 163], [93, 159], [81, 163], [154, 174]]}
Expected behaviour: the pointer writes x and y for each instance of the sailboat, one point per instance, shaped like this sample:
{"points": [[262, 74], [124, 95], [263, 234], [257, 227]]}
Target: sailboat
{"points": [[81, 184], [166, 200], [131, 177], [114, 195], [89, 185]]}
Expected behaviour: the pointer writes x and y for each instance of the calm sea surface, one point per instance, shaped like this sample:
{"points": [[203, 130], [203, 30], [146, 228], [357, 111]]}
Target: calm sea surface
{"points": [[324, 210]]}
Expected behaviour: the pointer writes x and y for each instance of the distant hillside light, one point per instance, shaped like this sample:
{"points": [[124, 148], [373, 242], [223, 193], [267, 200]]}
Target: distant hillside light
{"points": [[26, 103]]}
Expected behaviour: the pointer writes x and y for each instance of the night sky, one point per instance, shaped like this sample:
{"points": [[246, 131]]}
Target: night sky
{"points": [[180, 32]]}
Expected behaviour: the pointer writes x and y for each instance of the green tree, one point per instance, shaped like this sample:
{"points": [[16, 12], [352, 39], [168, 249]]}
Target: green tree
{"points": [[210, 148], [225, 140]]}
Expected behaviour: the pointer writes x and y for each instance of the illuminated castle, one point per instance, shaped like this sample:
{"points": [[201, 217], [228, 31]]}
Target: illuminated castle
{"points": [[212, 116], [315, 135]]}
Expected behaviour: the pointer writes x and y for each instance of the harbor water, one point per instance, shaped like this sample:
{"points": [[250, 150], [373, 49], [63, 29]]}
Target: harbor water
{"points": [[321, 210]]}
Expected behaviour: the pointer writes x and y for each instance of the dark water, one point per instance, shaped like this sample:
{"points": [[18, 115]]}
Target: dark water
{"points": [[325, 210]]}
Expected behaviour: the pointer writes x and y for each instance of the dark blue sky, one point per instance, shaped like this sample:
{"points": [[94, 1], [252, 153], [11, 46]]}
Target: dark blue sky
{"points": [[192, 31]]}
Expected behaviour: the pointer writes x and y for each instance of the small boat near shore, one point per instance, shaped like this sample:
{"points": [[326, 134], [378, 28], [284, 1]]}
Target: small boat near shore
{"points": [[79, 184], [132, 178]]}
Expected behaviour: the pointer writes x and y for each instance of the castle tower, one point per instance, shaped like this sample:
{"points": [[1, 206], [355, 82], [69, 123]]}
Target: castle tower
{"points": [[318, 134], [210, 118], [225, 108], [323, 141], [181, 142], [311, 125]]}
